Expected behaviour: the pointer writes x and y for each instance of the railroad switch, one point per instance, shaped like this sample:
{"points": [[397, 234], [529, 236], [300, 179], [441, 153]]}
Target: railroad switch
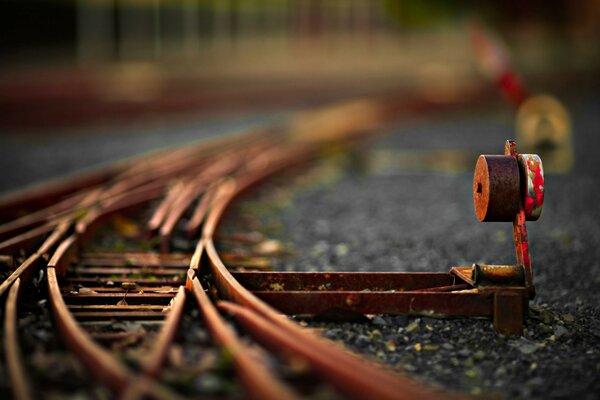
{"points": [[506, 188]]}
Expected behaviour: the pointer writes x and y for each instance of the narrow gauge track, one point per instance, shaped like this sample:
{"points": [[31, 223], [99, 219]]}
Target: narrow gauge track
{"points": [[180, 193]]}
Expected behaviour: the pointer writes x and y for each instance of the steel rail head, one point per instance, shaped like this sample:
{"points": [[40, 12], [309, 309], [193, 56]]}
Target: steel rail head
{"points": [[179, 206], [123, 201], [51, 241], [62, 256], [199, 214], [166, 335], [203, 151], [161, 212], [258, 382], [28, 240], [98, 361], [25, 265], [261, 168], [47, 194], [31, 220], [220, 202], [179, 199], [49, 216], [16, 369], [14, 360], [352, 376]]}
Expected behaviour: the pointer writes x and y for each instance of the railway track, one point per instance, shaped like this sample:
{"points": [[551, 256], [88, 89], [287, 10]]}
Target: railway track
{"points": [[131, 261], [129, 254]]}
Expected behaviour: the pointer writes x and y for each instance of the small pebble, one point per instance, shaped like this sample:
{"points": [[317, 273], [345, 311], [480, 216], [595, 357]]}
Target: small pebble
{"points": [[412, 327], [390, 345], [560, 331], [269, 247], [464, 352], [471, 373], [568, 317], [528, 348]]}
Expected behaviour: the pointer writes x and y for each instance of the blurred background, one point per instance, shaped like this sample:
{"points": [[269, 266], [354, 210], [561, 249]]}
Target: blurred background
{"points": [[90, 81]]}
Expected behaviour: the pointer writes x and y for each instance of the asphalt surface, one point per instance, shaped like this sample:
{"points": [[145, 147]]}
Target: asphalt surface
{"points": [[374, 212], [30, 158]]}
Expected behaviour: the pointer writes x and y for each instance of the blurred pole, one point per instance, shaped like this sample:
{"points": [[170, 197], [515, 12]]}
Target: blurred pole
{"points": [[126, 29], [282, 31], [357, 11], [191, 27], [95, 31], [365, 15], [303, 11], [156, 28], [326, 12], [222, 23], [343, 19], [378, 24], [248, 19], [139, 27]]}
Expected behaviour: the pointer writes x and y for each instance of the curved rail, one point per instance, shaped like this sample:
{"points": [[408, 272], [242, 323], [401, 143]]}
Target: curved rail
{"points": [[13, 284], [14, 359]]}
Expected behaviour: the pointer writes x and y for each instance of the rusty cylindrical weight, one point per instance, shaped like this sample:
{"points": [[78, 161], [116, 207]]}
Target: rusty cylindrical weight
{"points": [[496, 188], [498, 274]]}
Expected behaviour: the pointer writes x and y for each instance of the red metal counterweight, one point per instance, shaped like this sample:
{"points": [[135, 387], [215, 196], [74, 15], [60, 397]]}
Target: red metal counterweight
{"points": [[496, 188]]}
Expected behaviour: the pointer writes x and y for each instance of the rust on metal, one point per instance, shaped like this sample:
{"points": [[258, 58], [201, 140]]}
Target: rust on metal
{"points": [[509, 312], [498, 274], [99, 362], [35, 259], [259, 383], [142, 259], [496, 188], [27, 240], [14, 359], [353, 379], [348, 281], [520, 230], [193, 225], [95, 271], [118, 280], [166, 335], [393, 303]]}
